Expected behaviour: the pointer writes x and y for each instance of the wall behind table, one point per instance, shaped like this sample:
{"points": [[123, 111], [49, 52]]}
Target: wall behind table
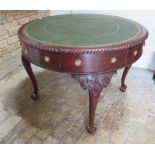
{"points": [[147, 18], [10, 49]]}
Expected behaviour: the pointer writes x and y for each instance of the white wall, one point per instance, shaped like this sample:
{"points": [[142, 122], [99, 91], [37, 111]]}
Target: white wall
{"points": [[147, 18], [59, 12]]}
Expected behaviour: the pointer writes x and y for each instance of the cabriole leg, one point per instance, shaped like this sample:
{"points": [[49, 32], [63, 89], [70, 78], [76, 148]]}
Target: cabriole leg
{"points": [[94, 83], [27, 66]]}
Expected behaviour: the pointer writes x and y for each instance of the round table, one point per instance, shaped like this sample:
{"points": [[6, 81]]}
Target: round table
{"points": [[89, 47]]}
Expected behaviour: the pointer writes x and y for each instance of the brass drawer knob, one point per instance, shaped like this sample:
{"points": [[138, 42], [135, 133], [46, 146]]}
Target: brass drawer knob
{"points": [[47, 59], [113, 60], [25, 51], [135, 53], [78, 62]]}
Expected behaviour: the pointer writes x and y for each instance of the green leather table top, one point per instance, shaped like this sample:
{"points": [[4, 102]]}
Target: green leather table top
{"points": [[82, 30]]}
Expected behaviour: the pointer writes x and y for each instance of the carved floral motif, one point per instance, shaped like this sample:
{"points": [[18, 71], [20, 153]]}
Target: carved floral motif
{"points": [[94, 82]]}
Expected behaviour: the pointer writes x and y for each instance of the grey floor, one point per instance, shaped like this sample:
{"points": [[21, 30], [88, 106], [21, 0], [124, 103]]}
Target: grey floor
{"points": [[61, 113]]}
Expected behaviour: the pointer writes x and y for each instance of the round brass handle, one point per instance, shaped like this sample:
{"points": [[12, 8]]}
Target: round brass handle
{"points": [[135, 53], [47, 59], [78, 62], [113, 60], [25, 51]]}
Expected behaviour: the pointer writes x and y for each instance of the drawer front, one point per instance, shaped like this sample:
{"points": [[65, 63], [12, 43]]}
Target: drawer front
{"points": [[43, 59], [133, 55], [93, 62]]}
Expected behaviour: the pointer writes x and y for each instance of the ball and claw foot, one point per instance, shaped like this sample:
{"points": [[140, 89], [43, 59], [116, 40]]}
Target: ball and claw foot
{"points": [[123, 88], [91, 130], [35, 96]]}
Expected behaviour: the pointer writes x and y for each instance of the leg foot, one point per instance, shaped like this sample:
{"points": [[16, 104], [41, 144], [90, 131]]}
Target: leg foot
{"points": [[91, 130], [35, 96], [123, 86]]}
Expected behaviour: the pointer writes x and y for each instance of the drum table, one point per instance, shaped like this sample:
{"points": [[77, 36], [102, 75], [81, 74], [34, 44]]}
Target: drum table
{"points": [[89, 47]]}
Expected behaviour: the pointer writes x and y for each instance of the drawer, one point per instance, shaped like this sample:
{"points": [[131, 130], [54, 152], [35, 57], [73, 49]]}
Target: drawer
{"points": [[43, 59], [93, 62], [133, 54]]}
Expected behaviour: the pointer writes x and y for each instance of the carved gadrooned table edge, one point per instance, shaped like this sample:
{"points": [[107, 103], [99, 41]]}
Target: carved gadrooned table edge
{"points": [[80, 50]]}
